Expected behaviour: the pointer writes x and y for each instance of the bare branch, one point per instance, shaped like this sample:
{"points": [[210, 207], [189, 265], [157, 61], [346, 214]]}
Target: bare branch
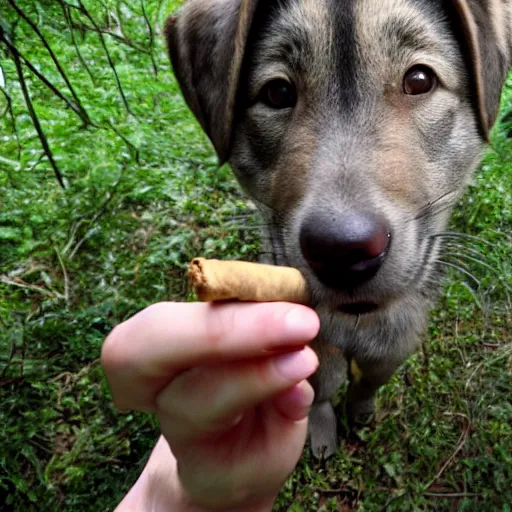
{"points": [[19, 283], [460, 445], [120, 38], [35, 120], [133, 149], [72, 105], [10, 357], [151, 33], [9, 109], [34, 27], [65, 275], [109, 58], [101, 211], [452, 494], [69, 20]]}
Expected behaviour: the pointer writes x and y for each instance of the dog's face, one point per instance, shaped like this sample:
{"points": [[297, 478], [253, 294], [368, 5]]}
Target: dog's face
{"points": [[357, 116], [354, 125]]}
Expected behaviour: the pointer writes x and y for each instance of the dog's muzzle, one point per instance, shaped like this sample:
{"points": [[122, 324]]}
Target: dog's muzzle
{"points": [[345, 252]]}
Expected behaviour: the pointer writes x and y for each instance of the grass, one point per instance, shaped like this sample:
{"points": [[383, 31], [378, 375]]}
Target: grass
{"points": [[143, 196]]}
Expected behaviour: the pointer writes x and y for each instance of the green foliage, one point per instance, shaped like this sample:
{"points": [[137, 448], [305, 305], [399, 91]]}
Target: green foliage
{"points": [[143, 195]]}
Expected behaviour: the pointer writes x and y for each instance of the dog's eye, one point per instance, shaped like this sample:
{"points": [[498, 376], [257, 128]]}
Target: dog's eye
{"points": [[419, 80], [279, 94]]}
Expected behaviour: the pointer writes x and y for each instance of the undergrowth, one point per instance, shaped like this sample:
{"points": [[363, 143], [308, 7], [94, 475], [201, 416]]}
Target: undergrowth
{"points": [[143, 196]]}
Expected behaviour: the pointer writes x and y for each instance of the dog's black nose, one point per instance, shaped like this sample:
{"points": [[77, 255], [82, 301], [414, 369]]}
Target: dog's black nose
{"points": [[345, 251]]}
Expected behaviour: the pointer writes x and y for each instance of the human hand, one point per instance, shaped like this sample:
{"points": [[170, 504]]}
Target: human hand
{"points": [[227, 382]]}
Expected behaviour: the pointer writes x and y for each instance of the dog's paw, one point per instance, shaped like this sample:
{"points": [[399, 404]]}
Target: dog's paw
{"points": [[323, 434], [361, 413]]}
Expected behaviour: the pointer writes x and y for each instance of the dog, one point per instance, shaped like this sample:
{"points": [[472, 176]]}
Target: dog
{"points": [[354, 125]]}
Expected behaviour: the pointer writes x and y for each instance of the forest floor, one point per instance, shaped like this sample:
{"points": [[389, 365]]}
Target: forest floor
{"points": [[143, 196]]}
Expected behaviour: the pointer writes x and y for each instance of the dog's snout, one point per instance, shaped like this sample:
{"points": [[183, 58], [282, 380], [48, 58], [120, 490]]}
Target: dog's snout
{"points": [[347, 250]]}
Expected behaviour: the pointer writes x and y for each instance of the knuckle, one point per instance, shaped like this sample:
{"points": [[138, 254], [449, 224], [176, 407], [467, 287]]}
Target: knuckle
{"points": [[111, 354]]}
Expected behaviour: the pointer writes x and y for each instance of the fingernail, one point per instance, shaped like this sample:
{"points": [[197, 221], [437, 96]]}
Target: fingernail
{"points": [[303, 322], [297, 366]]}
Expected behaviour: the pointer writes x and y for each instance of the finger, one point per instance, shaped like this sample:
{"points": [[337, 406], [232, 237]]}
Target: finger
{"points": [[294, 404], [207, 401], [142, 355]]}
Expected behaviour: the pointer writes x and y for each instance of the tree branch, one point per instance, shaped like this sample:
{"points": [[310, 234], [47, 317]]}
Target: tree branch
{"points": [[73, 106], [107, 53], [120, 38], [35, 120], [69, 20], [151, 33], [34, 27], [9, 109], [460, 445], [134, 150]]}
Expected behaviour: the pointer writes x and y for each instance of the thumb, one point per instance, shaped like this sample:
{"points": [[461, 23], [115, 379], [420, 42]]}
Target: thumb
{"points": [[295, 403]]}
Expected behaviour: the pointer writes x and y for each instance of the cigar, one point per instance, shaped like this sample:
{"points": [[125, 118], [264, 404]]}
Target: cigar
{"points": [[216, 280]]}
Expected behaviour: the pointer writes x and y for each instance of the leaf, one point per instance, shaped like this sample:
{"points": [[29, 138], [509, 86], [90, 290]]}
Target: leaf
{"points": [[390, 470], [47, 279], [10, 234]]}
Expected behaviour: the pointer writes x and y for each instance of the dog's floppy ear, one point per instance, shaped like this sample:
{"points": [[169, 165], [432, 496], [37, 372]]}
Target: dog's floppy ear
{"points": [[487, 30], [206, 43]]}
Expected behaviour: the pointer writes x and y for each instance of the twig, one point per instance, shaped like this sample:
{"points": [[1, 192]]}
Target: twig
{"points": [[72, 233], [101, 211], [9, 108], [473, 373], [23, 353], [492, 345], [37, 162], [151, 33], [158, 8], [73, 106], [61, 71], [120, 38], [460, 445], [10, 357], [452, 494], [65, 275], [68, 376], [109, 58], [342, 490], [84, 239], [12, 380], [133, 149], [35, 121], [69, 20], [32, 287], [10, 163], [96, 28]]}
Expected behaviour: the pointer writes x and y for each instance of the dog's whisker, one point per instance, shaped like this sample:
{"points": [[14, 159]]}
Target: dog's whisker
{"points": [[464, 236], [439, 203], [457, 259], [437, 211], [460, 269], [450, 244], [436, 201], [503, 285], [245, 228], [473, 259]]}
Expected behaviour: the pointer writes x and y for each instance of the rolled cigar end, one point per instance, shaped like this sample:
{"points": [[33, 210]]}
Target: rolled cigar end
{"points": [[215, 280]]}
